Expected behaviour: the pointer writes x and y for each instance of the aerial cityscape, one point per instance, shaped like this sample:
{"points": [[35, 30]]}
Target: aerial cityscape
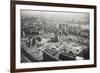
{"points": [[54, 36]]}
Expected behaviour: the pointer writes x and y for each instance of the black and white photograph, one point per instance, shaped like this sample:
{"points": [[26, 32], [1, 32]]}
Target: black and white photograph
{"points": [[51, 36], [54, 36]]}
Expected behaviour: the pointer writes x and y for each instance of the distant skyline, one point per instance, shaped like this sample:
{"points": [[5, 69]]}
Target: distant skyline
{"points": [[56, 16]]}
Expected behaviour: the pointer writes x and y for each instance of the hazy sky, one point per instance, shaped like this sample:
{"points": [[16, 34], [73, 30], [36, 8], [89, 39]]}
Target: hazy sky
{"points": [[58, 16]]}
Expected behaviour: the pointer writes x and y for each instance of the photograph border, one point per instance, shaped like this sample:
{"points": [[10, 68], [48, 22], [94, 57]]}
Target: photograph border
{"points": [[13, 35]]}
